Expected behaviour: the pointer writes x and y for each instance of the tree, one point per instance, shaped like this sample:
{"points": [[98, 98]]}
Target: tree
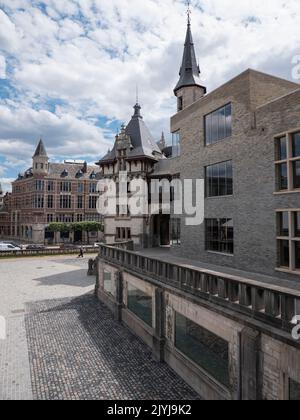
{"points": [[79, 226]]}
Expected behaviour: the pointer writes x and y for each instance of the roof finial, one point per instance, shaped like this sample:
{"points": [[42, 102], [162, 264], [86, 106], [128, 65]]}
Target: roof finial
{"points": [[137, 93], [189, 12]]}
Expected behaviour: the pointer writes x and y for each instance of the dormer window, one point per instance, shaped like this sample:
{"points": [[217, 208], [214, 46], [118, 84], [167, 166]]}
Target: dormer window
{"points": [[65, 173], [93, 175], [79, 174]]}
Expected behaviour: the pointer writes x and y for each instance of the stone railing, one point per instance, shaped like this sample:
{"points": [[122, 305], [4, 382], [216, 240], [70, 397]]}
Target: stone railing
{"points": [[265, 302]]}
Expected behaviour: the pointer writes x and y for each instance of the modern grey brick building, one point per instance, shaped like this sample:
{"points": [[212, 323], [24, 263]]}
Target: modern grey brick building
{"points": [[219, 305]]}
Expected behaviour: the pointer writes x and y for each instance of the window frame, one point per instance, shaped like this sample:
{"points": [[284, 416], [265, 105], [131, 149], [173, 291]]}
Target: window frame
{"points": [[209, 236], [210, 188], [289, 160], [227, 133], [290, 237]]}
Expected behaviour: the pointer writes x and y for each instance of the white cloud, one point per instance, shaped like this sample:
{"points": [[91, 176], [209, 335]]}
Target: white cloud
{"points": [[2, 67], [91, 54]]}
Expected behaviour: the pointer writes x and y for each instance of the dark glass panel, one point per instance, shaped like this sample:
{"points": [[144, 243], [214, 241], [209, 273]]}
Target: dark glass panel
{"points": [[284, 224], [282, 148], [297, 174], [284, 254], [297, 255], [283, 173], [140, 304], [296, 145], [297, 224], [207, 350]]}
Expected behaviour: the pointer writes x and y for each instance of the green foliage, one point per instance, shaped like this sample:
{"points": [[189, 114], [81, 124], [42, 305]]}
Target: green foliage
{"points": [[75, 227]]}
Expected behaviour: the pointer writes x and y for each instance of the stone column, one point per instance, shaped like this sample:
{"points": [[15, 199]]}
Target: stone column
{"points": [[158, 339], [250, 355], [119, 295]]}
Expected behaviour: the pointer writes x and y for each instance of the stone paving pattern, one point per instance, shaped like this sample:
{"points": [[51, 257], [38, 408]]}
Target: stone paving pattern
{"points": [[78, 351], [73, 348]]}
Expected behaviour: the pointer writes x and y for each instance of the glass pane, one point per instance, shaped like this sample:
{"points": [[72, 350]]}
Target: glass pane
{"points": [[284, 253], [215, 124], [108, 284], [284, 224], [229, 176], [297, 224], [215, 180], [283, 173], [228, 117], [222, 124], [208, 129], [296, 145], [282, 151], [222, 178], [140, 304], [207, 350], [297, 174], [297, 255], [294, 391]]}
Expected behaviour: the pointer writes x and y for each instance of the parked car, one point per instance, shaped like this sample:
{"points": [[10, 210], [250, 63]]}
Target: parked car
{"points": [[35, 248], [4, 247], [12, 243]]}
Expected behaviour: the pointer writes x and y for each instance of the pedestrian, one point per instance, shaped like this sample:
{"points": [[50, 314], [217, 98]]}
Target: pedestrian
{"points": [[81, 253]]}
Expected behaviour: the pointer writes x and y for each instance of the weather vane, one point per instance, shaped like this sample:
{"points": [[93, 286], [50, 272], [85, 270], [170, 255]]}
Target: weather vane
{"points": [[189, 12]]}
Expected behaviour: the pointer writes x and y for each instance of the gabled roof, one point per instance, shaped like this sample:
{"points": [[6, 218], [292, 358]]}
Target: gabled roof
{"points": [[40, 150], [189, 71]]}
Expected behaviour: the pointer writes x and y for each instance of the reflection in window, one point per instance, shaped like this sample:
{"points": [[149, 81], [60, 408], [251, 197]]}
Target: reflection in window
{"points": [[219, 179], [296, 167], [282, 148], [175, 231], [284, 253], [297, 255], [284, 224], [176, 144], [296, 145], [218, 125], [108, 283], [297, 223], [207, 350], [283, 177], [140, 304], [294, 390], [219, 235]]}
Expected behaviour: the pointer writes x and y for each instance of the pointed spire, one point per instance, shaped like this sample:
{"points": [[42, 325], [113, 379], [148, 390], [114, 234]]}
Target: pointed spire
{"points": [[190, 70], [40, 150]]}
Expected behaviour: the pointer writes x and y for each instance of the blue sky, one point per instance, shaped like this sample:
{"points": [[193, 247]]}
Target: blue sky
{"points": [[69, 68]]}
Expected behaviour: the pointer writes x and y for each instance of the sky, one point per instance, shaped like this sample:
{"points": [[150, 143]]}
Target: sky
{"points": [[69, 68]]}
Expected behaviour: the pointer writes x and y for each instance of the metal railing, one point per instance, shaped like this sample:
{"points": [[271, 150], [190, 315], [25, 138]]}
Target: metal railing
{"points": [[270, 303]]}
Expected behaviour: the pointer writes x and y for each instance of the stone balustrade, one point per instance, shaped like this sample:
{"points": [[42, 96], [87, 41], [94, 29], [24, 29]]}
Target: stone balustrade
{"points": [[273, 304]]}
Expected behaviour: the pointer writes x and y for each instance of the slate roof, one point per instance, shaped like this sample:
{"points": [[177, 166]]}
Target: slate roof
{"points": [[40, 150], [143, 143], [189, 71]]}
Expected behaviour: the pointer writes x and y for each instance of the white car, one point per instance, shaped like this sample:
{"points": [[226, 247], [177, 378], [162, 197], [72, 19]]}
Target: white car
{"points": [[4, 247]]}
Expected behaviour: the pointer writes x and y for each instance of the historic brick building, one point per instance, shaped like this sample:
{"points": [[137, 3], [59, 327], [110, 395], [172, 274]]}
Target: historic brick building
{"points": [[220, 305], [50, 192]]}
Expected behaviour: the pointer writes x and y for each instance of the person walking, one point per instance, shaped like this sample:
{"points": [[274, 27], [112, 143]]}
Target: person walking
{"points": [[81, 253]]}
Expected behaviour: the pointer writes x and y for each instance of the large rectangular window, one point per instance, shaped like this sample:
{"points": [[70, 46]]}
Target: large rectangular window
{"points": [[50, 202], [219, 179], [65, 202], [176, 144], [140, 304], [219, 235], [288, 232], [287, 152], [218, 125], [66, 186], [80, 202], [207, 350], [93, 202]]}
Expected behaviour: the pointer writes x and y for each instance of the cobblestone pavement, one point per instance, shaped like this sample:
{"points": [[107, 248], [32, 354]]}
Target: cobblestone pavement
{"points": [[78, 351], [26, 280], [66, 345]]}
